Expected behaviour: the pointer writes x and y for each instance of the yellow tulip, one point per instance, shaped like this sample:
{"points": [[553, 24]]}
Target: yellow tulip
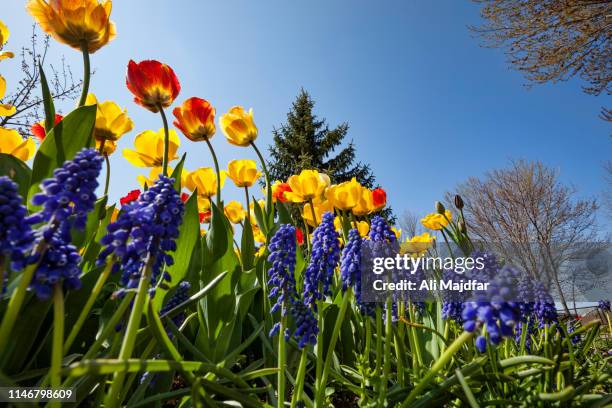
{"points": [[149, 147], [344, 196], [154, 174], [111, 121], [260, 252], [365, 203], [320, 208], [363, 228], [436, 221], [417, 245], [262, 205], [78, 24], [4, 33], [5, 109], [204, 180], [238, 126], [109, 147], [397, 232], [243, 172], [306, 186], [234, 212], [258, 236], [12, 143]]}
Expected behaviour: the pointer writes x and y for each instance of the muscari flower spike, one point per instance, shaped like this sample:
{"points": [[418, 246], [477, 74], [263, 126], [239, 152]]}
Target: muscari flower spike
{"points": [[66, 199], [283, 290], [180, 295], [323, 260], [603, 305], [145, 230], [496, 311], [380, 230], [16, 236]]}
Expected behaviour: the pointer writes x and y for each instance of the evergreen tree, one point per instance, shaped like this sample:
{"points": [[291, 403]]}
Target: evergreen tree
{"points": [[307, 142]]}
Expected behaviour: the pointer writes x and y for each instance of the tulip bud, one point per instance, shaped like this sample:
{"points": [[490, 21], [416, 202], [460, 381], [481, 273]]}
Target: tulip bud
{"points": [[440, 207], [462, 226], [458, 202]]}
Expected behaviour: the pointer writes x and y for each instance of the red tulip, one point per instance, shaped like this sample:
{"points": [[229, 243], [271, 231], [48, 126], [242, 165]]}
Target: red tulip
{"points": [[278, 191], [38, 129], [153, 84], [130, 197], [299, 236], [379, 198]]}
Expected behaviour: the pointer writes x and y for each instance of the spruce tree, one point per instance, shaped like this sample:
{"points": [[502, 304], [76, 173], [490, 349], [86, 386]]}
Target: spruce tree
{"points": [[307, 142]]}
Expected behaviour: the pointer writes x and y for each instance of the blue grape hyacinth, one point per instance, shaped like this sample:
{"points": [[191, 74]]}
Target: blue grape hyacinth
{"points": [[16, 236], [283, 288], [324, 258], [145, 232], [70, 194], [603, 305], [180, 295], [66, 199], [380, 230], [495, 311]]}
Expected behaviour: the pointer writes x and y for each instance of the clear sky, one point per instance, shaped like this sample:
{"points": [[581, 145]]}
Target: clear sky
{"points": [[427, 106]]}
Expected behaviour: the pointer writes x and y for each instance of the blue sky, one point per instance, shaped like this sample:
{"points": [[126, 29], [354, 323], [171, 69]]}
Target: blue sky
{"points": [[428, 107]]}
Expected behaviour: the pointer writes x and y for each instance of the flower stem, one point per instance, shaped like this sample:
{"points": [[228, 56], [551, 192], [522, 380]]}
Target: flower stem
{"points": [[281, 359], [438, 365], [17, 298], [248, 204], [299, 378], [86, 74], [332, 346], [387, 353], [166, 141], [108, 172], [129, 341], [314, 214], [266, 175], [214, 156], [87, 308], [58, 340]]}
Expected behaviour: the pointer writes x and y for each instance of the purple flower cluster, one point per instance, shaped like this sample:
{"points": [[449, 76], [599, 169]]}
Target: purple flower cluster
{"points": [[604, 305], [350, 263], [16, 236], [380, 230], [66, 199], [145, 231], [324, 257], [70, 194], [495, 312], [180, 295], [283, 288]]}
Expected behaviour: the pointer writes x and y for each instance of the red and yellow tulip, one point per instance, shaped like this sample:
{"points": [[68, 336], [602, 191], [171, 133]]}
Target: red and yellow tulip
{"points": [[196, 119], [153, 84]]}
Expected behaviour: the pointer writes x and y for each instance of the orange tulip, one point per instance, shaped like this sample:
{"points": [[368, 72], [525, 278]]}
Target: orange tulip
{"points": [[379, 197], [196, 119], [153, 84], [79, 24]]}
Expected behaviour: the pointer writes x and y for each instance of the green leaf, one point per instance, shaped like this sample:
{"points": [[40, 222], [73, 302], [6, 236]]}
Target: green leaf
{"points": [[189, 233], [177, 172], [283, 214], [247, 246], [81, 237], [259, 217], [47, 100], [62, 143], [217, 237], [18, 171]]}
